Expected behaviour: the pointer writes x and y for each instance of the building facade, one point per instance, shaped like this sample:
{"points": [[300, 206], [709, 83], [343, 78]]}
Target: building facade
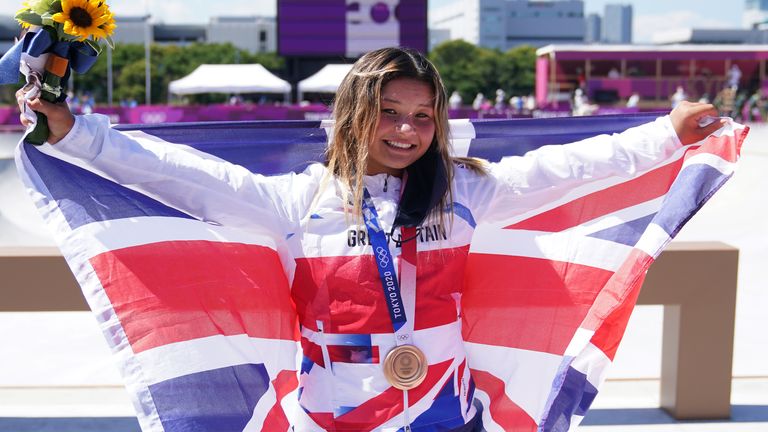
{"points": [[711, 36], [594, 29], [755, 13], [133, 30], [253, 33], [505, 24], [617, 24]]}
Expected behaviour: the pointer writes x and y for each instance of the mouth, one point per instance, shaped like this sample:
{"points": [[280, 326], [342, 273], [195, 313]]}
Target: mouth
{"points": [[399, 145]]}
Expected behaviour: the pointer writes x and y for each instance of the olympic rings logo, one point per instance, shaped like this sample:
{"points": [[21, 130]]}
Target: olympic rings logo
{"points": [[382, 255]]}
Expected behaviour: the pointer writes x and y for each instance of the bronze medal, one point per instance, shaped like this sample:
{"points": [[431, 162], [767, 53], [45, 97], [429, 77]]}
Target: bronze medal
{"points": [[405, 367]]}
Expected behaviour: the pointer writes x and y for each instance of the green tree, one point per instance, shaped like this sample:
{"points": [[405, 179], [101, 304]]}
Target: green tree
{"points": [[457, 62], [489, 62], [8, 93], [94, 81], [471, 69], [168, 63], [130, 83], [518, 70]]}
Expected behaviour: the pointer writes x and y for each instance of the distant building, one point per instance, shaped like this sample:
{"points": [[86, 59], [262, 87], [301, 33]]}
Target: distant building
{"points": [[133, 29], [755, 31], [617, 24], [505, 24], [253, 33], [594, 29], [438, 36], [137, 29], [755, 13], [178, 34], [710, 36]]}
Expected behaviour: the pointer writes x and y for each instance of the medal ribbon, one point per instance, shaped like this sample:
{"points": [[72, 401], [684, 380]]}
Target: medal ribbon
{"points": [[396, 290]]}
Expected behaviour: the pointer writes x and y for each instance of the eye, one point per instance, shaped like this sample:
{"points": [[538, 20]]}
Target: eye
{"points": [[422, 116], [389, 111]]}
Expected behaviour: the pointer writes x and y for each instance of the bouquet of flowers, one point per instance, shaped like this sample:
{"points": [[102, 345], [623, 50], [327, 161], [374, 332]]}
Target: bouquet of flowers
{"points": [[63, 35]]}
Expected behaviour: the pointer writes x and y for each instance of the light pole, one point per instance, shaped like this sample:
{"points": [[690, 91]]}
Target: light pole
{"points": [[109, 76], [147, 73]]}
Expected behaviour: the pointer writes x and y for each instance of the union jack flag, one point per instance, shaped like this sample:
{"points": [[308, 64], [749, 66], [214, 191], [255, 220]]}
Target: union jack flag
{"points": [[200, 316]]}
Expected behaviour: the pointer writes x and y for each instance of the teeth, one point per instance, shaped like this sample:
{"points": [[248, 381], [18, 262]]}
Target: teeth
{"points": [[399, 145]]}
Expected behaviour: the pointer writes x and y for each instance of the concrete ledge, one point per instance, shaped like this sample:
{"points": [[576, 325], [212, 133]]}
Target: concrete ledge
{"points": [[694, 281], [696, 284], [37, 279]]}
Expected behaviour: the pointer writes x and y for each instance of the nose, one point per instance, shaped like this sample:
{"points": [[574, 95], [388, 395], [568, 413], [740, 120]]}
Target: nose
{"points": [[405, 124]]}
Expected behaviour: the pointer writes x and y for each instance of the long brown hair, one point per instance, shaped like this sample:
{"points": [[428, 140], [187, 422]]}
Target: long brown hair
{"points": [[356, 113]]}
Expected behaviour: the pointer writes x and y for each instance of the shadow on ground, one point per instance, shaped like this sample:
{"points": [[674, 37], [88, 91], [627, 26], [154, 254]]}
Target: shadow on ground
{"points": [[595, 417], [641, 416], [74, 424]]}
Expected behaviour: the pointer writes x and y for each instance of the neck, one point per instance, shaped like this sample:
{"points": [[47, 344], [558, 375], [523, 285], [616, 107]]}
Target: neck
{"points": [[391, 171]]}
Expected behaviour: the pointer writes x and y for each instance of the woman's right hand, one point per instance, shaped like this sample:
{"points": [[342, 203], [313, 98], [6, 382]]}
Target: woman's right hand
{"points": [[689, 121], [60, 118]]}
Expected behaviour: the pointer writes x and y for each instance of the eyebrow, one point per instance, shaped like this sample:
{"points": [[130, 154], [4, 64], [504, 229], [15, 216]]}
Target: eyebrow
{"points": [[386, 99]]}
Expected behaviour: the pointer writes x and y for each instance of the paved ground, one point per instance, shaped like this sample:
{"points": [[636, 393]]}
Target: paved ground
{"points": [[632, 406], [623, 405]]}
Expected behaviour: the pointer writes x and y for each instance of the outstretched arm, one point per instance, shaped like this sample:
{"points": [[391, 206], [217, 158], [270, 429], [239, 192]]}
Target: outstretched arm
{"points": [[518, 184], [206, 187]]}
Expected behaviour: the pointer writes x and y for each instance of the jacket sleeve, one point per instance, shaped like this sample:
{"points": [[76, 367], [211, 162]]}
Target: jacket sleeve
{"points": [[518, 184], [191, 181]]}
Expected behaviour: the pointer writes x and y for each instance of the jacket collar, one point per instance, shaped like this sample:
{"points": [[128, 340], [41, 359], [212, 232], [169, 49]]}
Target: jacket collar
{"points": [[426, 185]]}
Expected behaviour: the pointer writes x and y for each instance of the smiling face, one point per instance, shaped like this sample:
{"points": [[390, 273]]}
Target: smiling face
{"points": [[406, 126]]}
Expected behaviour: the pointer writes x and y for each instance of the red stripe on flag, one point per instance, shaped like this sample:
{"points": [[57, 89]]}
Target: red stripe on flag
{"points": [[725, 147], [375, 411], [503, 410], [527, 303], [312, 351], [648, 186], [610, 313], [276, 419], [323, 419], [176, 291], [349, 290]]}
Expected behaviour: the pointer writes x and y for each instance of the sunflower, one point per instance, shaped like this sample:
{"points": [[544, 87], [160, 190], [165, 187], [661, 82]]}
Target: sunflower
{"points": [[85, 18]]}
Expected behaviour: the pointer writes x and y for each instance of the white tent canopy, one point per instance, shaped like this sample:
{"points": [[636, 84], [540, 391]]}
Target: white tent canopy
{"points": [[326, 80], [230, 78]]}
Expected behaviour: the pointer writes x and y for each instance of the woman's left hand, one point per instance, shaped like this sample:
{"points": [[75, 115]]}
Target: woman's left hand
{"points": [[687, 118]]}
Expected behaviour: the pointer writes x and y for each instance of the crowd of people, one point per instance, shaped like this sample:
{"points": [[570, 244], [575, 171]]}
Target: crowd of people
{"points": [[524, 104], [732, 100]]}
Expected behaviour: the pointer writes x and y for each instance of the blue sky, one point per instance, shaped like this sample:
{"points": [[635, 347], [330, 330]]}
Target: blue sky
{"points": [[649, 15]]}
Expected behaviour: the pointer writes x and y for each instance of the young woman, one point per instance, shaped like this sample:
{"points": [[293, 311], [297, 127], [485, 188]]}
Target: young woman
{"points": [[375, 233]]}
